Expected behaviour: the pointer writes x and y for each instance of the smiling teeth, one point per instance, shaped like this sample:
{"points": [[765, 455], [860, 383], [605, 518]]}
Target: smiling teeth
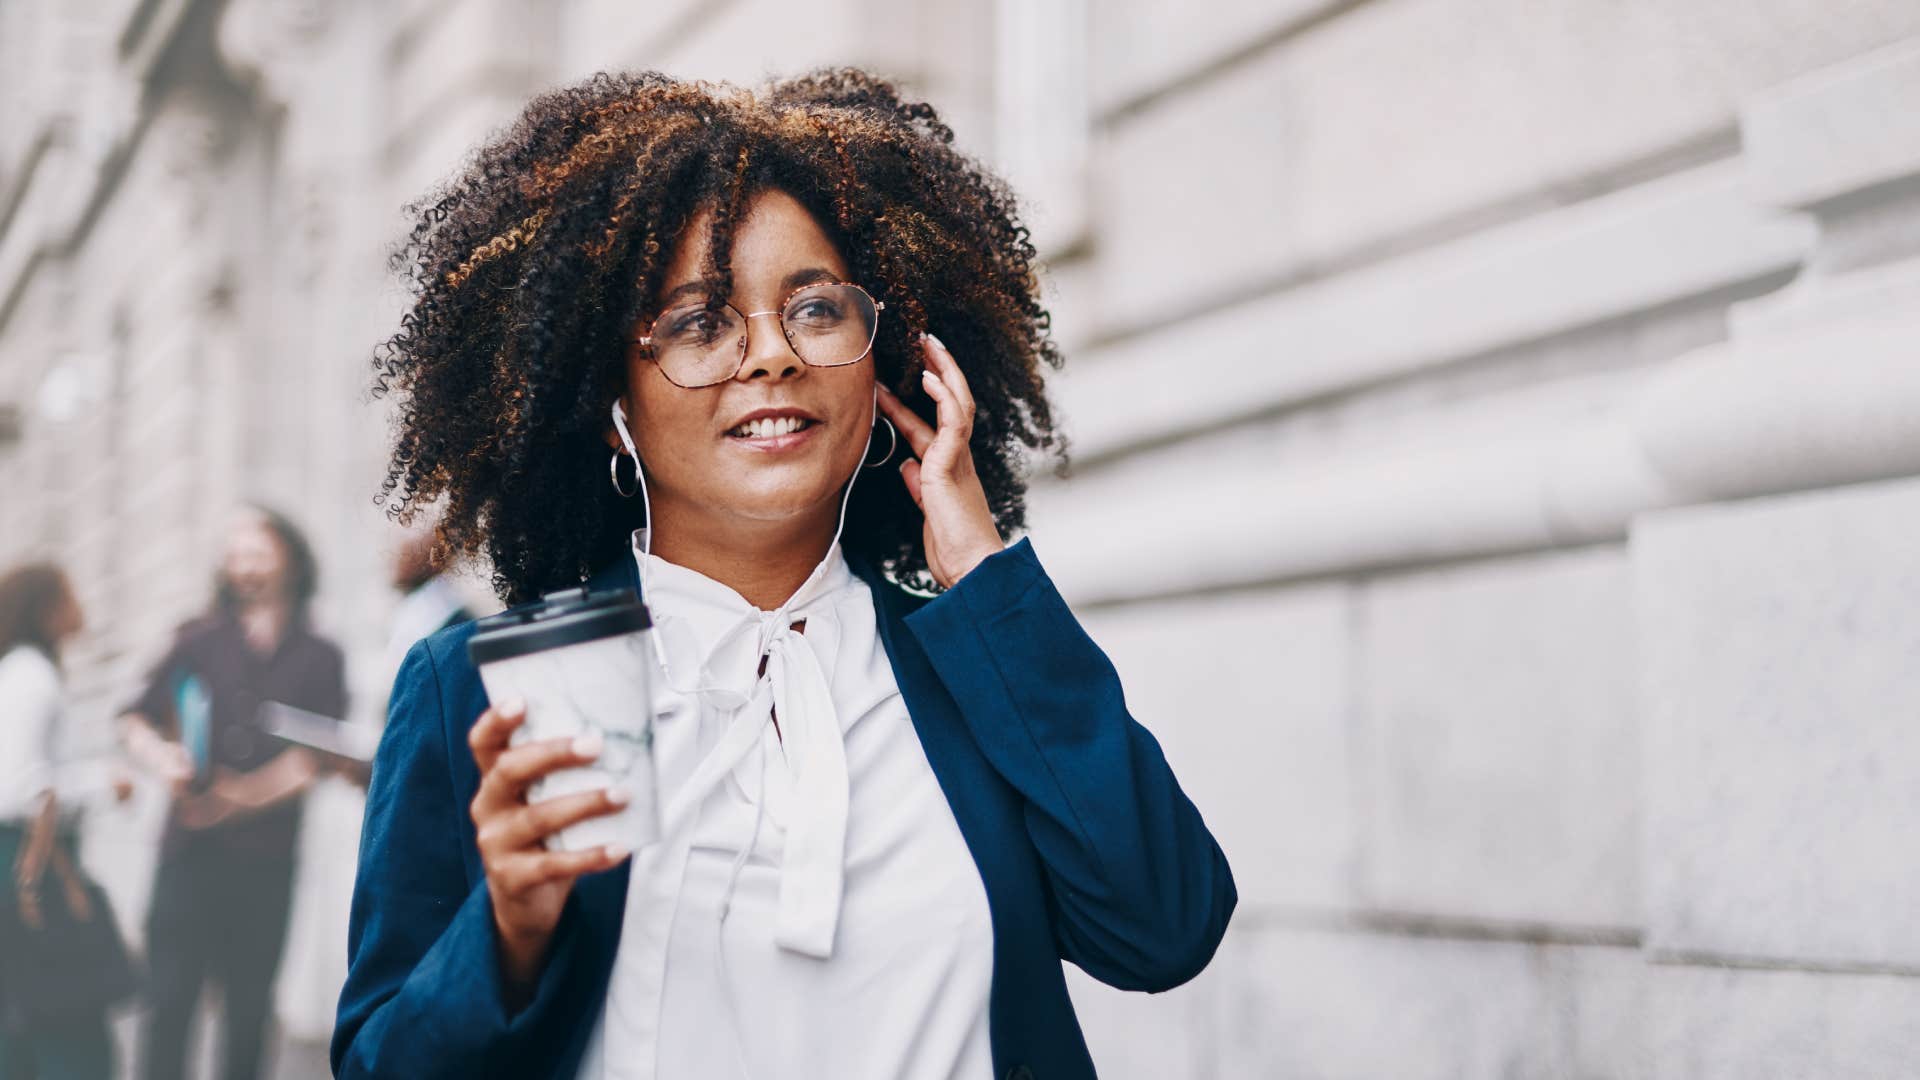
{"points": [[769, 426]]}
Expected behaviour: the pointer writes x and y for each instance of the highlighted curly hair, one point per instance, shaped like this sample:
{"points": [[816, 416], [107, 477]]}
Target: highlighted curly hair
{"points": [[531, 265]]}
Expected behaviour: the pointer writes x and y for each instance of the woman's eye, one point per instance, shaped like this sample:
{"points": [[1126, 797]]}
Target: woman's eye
{"points": [[694, 324], [815, 311]]}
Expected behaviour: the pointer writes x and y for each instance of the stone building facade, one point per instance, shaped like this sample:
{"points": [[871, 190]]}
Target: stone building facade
{"points": [[1497, 442]]}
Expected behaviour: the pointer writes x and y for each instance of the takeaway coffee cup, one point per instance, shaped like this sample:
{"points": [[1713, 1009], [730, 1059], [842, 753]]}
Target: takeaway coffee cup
{"points": [[580, 660]]}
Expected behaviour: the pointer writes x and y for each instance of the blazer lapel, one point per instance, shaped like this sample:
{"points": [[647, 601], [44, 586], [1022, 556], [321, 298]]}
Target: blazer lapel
{"points": [[979, 798]]}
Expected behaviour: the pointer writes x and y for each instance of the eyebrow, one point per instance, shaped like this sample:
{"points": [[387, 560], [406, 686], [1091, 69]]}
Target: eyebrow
{"points": [[812, 275]]}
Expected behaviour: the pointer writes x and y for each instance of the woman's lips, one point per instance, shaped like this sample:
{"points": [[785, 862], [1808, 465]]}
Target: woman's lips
{"points": [[773, 444]]}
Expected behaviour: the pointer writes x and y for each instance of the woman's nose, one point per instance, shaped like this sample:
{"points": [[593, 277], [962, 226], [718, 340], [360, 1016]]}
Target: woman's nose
{"points": [[767, 350]]}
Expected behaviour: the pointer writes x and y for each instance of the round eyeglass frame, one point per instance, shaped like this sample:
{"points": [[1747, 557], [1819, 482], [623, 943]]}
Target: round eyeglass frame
{"points": [[646, 341]]}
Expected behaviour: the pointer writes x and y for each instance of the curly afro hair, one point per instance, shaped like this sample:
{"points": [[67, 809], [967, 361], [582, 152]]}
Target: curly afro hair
{"points": [[530, 266]]}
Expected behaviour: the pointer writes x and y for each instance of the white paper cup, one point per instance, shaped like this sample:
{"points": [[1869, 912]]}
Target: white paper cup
{"points": [[581, 663]]}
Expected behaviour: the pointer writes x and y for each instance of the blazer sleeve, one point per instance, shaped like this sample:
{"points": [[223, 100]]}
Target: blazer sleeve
{"points": [[424, 997], [1142, 893]]}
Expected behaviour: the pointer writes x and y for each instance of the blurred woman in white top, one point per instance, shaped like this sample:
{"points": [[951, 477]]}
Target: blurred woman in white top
{"points": [[40, 787]]}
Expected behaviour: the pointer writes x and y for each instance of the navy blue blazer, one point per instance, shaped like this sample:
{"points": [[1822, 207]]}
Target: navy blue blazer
{"points": [[1089, 850]]}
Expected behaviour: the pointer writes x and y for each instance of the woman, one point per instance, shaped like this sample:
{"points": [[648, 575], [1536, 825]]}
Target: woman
{"points": [[38, 838], [888, 818], [224, 885]]}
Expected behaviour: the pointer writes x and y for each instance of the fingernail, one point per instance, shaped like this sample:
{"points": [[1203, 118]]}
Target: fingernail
{"points": [[588, 745], [937, 343], [615, 852], [619, 796], [513, 707], [929, 376]]}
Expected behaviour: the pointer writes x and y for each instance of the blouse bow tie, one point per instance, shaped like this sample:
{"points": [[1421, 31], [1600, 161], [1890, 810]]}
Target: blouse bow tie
{"points": [[810, 796]]}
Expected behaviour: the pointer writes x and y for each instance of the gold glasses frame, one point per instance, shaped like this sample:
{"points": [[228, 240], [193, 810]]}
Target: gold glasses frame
{"points": [[645, 341]]}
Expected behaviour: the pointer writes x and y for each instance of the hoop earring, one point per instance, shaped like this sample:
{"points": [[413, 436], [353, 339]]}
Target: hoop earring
{"points": [[613, 470], [618, 414], [893, 443]]}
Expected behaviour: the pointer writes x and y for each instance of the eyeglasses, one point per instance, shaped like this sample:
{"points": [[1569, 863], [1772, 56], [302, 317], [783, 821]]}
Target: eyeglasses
{"points": [[827, 325]]}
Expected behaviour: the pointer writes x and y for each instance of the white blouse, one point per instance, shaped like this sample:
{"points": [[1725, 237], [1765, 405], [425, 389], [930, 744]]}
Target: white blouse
{"points": [[29, 730], [812, 908], [40, 750]]}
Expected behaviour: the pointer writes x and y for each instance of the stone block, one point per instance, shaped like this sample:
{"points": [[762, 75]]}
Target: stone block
{"points": [[1732, 1024], [1134, 1036], [1778, 646], [1248, 696], [1356, 1005], [1501, 772], [1227, 515]]}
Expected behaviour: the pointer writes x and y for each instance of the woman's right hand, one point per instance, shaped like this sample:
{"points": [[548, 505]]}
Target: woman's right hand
{"points": [[528, 884]]}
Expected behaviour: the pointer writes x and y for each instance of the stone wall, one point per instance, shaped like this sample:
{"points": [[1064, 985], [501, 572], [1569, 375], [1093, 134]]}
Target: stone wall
{"points": [[1497, 429]]}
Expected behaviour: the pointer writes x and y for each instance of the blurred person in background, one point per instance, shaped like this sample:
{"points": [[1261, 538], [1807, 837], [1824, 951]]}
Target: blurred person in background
{"points": [[223, 887], [42, 787], [647, 343], [430, 600], [315, 964]]}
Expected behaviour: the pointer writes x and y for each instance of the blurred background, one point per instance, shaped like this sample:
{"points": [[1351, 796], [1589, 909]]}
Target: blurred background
{"points": [[1497, 437]]}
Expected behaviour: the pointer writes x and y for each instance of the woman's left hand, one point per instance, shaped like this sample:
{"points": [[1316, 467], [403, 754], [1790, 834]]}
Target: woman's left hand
{"points": [[959, 530]]}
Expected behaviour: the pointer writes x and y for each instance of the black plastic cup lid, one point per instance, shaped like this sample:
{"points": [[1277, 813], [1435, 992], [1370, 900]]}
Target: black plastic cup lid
{"points": [[557, 619]]}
